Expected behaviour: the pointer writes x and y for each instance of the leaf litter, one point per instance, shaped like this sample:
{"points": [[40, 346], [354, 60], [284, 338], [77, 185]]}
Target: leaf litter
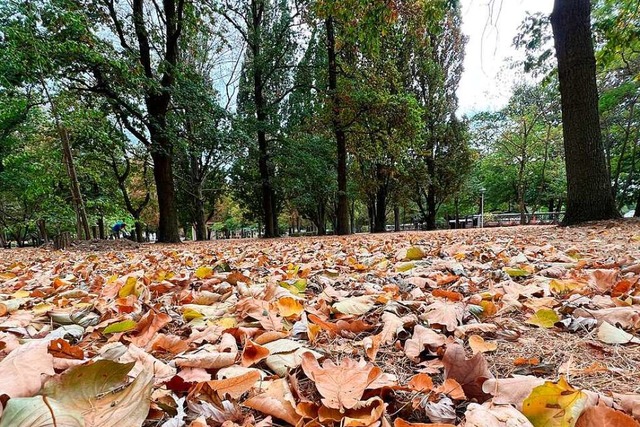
{"points": [[533, 326]]}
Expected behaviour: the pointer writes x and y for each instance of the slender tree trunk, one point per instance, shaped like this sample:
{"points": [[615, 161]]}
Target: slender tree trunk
{"points": [[589, 194], [431, 195], [396, 218], [101, 227], [342, 210]]}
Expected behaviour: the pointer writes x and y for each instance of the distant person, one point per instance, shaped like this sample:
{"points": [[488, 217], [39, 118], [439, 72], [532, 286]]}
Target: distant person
{"points": [[117, 228]]}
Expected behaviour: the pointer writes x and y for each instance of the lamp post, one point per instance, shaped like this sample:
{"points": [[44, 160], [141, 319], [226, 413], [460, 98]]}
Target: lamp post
{"points": [[482, 191]]}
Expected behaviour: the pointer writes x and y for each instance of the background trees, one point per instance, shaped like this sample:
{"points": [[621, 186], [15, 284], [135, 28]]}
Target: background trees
{"points": [[314, 115]]}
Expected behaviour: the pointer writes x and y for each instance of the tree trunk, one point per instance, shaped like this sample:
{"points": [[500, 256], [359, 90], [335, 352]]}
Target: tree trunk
{"points": [[589, 194], [380, 223], [62, 240], [431, 195], [163, 177], [42, 230], [342, 209], [396, 218], [101, 227], [139, 231]]}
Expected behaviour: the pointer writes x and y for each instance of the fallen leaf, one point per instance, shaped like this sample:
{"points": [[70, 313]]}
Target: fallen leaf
{"points": [[422, 338], [609, 334], [39, 411], [544, 318], [341, 386], [23, 369], [489, 415], [471, 374], [479, 345], [554, 405], [235, 386], [601, 416], [355, 305], [100, 392], [276, 401]]}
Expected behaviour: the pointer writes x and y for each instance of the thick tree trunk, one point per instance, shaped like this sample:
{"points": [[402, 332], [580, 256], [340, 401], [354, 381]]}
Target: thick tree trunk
{"points": [[42, 230], [163, 177], [139, 231], [589, 195], [101, 227], [268, 202], [342, 209]]}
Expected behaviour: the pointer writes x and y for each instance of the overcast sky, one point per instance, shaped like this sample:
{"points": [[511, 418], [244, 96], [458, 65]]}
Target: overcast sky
{"points": [[485, 82]]}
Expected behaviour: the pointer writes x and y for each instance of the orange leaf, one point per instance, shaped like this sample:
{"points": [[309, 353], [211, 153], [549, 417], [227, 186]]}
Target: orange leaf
{"points": [[421, 382], [148, 326], [235, 386], [450, 295], [62, 349], [602, 416], [253, 353], [452, 388]]}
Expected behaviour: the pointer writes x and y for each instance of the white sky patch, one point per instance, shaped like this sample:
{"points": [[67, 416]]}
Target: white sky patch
{"points": [[491, 26]]}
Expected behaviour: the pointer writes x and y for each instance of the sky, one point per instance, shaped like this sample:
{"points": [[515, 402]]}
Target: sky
{"points": [[486, 81]]}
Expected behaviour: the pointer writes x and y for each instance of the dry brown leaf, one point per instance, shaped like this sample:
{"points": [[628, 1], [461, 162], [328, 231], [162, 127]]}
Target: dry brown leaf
{"points": [[62, 349], [444, 313], [422, 338], [511, 391], [479, 345], [451, 388], [23, 370], [601, 416], [421, 383], [235, 386], [148, 326], [471, 374], [277, 401], [209, 356], [489, 415], [398, 422], [341, 386]]}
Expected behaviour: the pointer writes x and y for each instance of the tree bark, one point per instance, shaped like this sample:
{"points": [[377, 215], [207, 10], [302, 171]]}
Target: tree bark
{"points": [[163, 177], [589, 193], [396, 218], [342, 208]]}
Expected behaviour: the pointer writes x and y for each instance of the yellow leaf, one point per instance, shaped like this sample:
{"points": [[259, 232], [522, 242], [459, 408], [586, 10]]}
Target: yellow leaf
{"points": [[415, 254], [296, 286], [21, 294], [544, 318], [124, 326], [516, 272], [225, 322], [288, 307], [42, 308], [561, 287], [404, 266], [190, 314], [554, 405], [128, 288], [204, 272]]}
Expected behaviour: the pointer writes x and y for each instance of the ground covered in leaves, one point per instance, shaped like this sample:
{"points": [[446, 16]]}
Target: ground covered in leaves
{"points": [[524, 326]]}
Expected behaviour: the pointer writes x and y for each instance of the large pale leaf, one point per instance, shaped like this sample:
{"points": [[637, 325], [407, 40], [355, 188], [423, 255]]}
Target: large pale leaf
{"points": [[355, 305], [22, 371], [39, 411], [101, 393]]}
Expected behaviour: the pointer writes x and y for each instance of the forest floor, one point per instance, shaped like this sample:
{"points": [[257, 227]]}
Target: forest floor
{"points": [[358, 330]]}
